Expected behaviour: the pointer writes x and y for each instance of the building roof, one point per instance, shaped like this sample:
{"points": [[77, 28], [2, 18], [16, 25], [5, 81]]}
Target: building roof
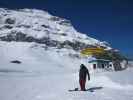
{"points": [[99, 60]]}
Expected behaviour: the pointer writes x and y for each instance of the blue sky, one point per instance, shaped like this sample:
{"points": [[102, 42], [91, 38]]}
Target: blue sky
{"points": [[107, 20]]}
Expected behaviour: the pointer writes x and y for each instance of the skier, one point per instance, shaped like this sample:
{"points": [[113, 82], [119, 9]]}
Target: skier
{"points": [[83, 72]]}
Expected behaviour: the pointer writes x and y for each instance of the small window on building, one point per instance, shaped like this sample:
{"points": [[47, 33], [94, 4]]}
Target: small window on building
{"points": [[94, 66], [102, 65]]}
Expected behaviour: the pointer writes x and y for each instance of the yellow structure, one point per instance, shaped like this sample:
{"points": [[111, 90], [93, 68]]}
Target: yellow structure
{"points": [[92, 51]]}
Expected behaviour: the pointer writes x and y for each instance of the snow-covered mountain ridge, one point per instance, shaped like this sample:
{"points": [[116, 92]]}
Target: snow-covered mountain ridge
{"points": [[31, 25]]}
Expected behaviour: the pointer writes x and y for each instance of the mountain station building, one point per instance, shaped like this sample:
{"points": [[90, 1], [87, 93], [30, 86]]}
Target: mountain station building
{"points": [[103, 64]]}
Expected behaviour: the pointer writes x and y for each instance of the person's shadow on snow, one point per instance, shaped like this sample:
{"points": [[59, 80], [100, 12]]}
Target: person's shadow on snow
{"points": [[94, 88], [90, 89]]}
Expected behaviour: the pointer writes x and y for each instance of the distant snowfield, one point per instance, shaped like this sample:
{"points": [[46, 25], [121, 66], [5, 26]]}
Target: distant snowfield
{"points": [[48, 75]]}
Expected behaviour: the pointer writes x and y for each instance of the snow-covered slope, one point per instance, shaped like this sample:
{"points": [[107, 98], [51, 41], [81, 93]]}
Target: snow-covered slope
{"points": [[48, 75], [34, 54]]}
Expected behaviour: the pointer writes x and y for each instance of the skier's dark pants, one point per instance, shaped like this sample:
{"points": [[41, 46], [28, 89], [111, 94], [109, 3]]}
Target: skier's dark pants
{"points": [[82, 84]]}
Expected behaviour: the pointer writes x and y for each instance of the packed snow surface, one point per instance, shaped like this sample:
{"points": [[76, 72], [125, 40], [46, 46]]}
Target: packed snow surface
{"points": [[48, 75]]}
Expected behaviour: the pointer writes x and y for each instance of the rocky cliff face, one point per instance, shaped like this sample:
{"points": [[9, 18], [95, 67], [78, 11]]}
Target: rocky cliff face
{"points": [[31, 25]]}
